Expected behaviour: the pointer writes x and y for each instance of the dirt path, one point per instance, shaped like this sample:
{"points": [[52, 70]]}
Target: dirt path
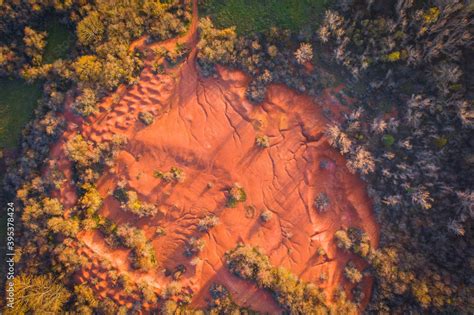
{"points": [[207, 128]]}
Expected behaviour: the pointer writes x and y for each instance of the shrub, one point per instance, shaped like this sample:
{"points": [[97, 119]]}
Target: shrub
{"points": [[90, 30], [361, 161], [135, 206], [35, 43], [194, 247], [157, 67], [304, 53], [90, 201], [266, 216], [256, 91], [207, 223], [388, 140], [88, 69], [235, 194], [175, 173], [247, 262], [342, 239], [393, 56], [321, 252], [146, 118], [195, 261], [441, 142], [262, 141], [143, 254], [321, 203], [82, 151], [353, 239], [85, 295], [177, 55], [147, 292], [272, 51], [222, 301], [129, 202], [323, 276], [352, 273], [160, 231], [130, 237], [86, 103], [144, 258], [324, 164]]}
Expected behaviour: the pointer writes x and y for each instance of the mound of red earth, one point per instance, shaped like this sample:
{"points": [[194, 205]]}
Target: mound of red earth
{"points": [[207, 128]]}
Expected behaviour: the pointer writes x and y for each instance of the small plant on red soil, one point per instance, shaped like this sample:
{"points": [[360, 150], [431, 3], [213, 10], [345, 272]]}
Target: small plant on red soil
{"points": [[177, 174], [143, 253], [178, 272], [342, 239], [235, 194], [323, 276], [160, 231], [324, 164], [321, 203], [321, 252], [174, 174], [208, 222], [129, 202], [146, 118], [144, 258], [266, 216], [262, 141], [194, 247], [138, 207]]}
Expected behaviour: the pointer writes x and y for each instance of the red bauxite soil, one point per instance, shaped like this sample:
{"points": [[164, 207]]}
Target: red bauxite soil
{"points": [[206, 127]]}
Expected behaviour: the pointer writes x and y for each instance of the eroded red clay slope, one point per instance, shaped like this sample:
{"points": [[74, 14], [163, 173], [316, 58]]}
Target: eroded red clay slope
{"points": [[207, 128]]}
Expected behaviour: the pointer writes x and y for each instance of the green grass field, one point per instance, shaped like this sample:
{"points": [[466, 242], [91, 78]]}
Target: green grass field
{"points": [[17, 98], [59, 41], [251, 16], [17, 102]]}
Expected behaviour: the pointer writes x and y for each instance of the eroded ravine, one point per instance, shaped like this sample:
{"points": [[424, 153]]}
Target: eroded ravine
{"points": [[206, 127]]}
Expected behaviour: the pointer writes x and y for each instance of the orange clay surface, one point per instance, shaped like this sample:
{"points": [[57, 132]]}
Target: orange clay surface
{"points": [[206, 127]]}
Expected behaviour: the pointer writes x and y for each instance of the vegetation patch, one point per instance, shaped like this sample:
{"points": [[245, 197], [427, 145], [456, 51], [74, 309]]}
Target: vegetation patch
{"points": [[294, 295], [259, 16], [129, 202], [59, 41], [175, 174], [18, 100], [235, 194]]}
